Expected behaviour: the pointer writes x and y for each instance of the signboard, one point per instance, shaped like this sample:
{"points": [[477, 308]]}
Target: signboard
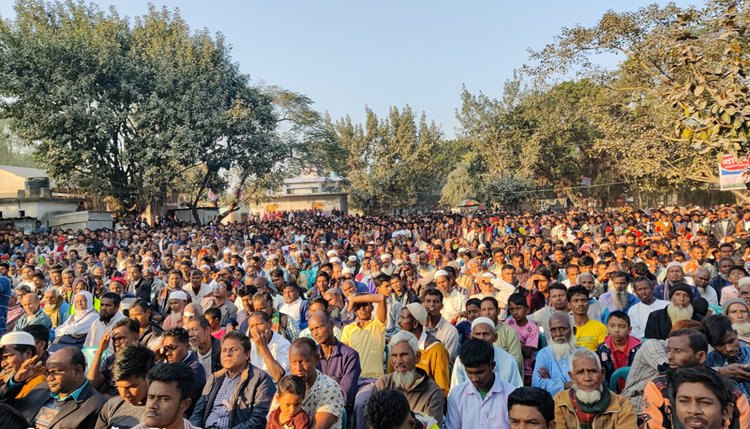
{"points": [[730, 172]]}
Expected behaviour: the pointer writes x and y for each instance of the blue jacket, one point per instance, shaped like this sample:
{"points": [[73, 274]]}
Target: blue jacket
{"points": [[558, 370]]}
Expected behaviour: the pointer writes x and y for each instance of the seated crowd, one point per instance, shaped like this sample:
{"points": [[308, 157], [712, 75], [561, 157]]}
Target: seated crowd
{"points": [[614, 319]]}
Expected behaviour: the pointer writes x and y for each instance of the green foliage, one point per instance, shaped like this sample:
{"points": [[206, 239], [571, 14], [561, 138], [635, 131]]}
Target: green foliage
{"points": [[506, 192], [12, 150]]}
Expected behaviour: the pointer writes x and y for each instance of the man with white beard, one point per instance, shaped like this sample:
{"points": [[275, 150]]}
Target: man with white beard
{"points": [[588, 403], [736, 310], [618, 297], [680, 308], [423, 394], [701, 278], [552, 367]]}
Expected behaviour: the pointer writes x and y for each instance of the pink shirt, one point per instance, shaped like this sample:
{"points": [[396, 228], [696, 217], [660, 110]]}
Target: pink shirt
{"points": [[529, 337]]}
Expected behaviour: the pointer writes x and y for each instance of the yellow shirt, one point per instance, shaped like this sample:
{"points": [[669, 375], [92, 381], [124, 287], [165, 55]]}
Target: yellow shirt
{"points": [[369, 342], [591, 334]]}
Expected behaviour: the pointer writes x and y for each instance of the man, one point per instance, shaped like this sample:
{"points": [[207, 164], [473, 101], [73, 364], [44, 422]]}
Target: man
{"points": [[281, 323], [453, 298], [220, 299], [33, 313], [336, 360], [150, 332], [383, 287], [367, 337], [239, 395], [531, 407], [323, 401], [557, 302], [65, 400], [205, 346], [702, 398], [196, 289], [41, 340], [618, 297], [433, 356], [168, 397], [270, 351], [294, 304], [483, 328], [589, 403], [423, 393], [389, 409], [437, 325], [675, 276], [589, 333], [729, 357], [638, 313], [129, 371], [175, 348], [680, 308], [15, 349], [721, 280], [701, 277], [552, 367], [123, 334], [109, 314], [482, 401]]}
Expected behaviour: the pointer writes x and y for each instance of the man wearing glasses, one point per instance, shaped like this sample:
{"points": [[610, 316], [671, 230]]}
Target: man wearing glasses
{"points": [[124, 333]]}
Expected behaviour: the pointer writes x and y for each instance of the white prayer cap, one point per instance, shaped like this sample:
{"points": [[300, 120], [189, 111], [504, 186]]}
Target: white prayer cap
{"points": [[178, 294], [482, 319]]}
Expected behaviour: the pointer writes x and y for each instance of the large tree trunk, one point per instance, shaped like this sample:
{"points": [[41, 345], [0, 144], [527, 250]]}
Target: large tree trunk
{"points": [[741, 195]]}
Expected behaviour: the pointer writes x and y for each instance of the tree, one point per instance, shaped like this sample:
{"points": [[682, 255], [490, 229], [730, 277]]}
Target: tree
{"points": [[12, 150], [459, 185]]}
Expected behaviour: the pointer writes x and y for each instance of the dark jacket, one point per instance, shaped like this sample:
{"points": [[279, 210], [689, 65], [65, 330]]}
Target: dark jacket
{"points": [[215, 355], [250, 402], [659, 324], [78, 414], [200, 380]]}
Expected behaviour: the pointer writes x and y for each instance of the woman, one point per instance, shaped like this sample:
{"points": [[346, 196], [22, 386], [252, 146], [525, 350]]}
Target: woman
{"points": [[78, 324]]}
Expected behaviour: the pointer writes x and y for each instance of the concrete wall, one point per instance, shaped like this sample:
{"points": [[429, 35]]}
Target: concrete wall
{"points": [[323, 202], [40, 208]]}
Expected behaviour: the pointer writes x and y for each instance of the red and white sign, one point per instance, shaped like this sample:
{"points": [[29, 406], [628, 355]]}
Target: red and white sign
{"points": [[730, 172]]}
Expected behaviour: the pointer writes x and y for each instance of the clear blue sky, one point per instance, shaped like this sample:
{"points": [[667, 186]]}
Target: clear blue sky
{"points": [[348, 54]]}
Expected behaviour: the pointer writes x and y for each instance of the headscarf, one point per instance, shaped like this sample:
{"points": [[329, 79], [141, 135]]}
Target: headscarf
{"points": [[80, 322]]}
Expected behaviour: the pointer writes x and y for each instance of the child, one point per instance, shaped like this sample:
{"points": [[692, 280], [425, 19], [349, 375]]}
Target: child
{"points": [[619, 347], [213, 315], [289, 414], [464, 326], [527, 331]]}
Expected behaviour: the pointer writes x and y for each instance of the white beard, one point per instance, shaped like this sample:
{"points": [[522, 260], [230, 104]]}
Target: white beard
{"points": [[621, 298], [403, 380], [742, 328], [676, 314], [563, 350], [588, 397]]}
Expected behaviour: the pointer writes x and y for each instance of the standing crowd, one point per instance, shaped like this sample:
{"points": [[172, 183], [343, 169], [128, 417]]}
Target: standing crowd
{"points": [[569, 319]]}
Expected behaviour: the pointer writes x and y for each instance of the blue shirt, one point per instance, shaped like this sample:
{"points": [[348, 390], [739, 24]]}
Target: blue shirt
{"points": [[716, 360], [5, 293], [558, 370], [76, 393]]}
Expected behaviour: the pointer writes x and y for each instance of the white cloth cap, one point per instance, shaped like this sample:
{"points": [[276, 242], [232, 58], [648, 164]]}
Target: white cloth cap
{"points": [[19, 338], [178, 294], [488, 275], [352, 258], [331, 253], [334, 259], [482, 319], [674, 264], [439, 273], [385, 256], [347, 270]]}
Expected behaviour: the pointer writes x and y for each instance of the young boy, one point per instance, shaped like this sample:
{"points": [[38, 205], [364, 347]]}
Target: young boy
{"points": [[472, 312], [527, 331], [213, 315], [289, 414], [619, 347]]}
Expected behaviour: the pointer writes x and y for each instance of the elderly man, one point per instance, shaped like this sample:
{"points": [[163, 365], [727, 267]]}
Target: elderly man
{"points": [[65, 400], [680, 308], [675, 275], [701, 277], [588, 403], [336, 359], [323, 401], [423, 393], [618, 297], [33, 313], [270, 351], [552, 367], [433, 357], [484, 329], [481, 402], [239, 395], [454, 298], [206, 347], [648, 303], [281, 323]]}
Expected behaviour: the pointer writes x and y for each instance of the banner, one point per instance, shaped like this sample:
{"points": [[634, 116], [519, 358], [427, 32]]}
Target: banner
{"points": [[730, 172]]}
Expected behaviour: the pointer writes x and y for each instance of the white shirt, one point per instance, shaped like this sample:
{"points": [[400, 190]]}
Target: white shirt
{"points": [[448, 335], [204, 291], [506, 369], [99, 328], [639, 316], [292, 309], [467, 409], [453, 305], [279, 347], [709, 294]]}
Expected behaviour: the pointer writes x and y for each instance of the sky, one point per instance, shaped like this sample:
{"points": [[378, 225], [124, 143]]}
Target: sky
{"points": [[346, 55]]}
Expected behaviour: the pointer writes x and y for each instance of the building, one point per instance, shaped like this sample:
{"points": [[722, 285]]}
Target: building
{"points": [[305, 192]]}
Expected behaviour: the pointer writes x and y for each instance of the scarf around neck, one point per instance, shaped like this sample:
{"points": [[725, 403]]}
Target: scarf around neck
{"points": [[587, 412]]}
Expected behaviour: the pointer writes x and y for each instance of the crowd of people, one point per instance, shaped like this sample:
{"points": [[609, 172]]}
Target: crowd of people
{"points": [[561, 319]]}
